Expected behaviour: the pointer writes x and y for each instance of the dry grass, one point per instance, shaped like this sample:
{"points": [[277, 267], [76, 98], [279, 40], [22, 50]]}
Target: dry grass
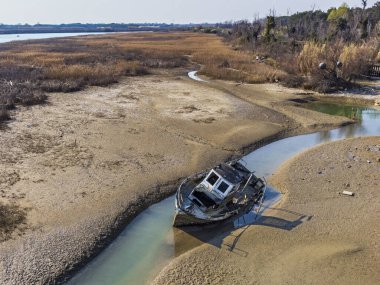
{"points": [[11, 218], [356, 59], [70, 64], [100, 60], [222, 62], [18, 92], [310, 57]]}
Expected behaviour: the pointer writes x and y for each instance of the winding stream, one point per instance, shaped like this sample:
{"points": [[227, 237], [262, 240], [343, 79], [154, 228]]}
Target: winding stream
{"points": [[149, 242], [193, 75]]}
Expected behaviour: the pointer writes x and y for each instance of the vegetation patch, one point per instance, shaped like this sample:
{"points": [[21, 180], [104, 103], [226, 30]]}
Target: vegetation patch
{"points": [[12, 217], [323, 51]]}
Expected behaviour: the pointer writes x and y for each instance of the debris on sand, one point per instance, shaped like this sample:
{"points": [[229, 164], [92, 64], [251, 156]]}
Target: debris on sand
{"points": [[348, 193]]}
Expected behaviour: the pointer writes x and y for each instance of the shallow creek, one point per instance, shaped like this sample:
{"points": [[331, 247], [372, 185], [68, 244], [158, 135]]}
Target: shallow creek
{"points": [[149, 242]]}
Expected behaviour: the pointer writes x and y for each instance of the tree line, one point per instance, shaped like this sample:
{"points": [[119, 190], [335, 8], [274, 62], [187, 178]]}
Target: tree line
{"points": [[330, 47], [337, 23]]}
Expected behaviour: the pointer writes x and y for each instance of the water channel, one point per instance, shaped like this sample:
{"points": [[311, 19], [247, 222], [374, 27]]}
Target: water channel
{"points": [[150, 242]]}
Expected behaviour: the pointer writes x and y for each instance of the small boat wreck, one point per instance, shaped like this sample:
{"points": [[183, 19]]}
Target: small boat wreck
{"points": [[226, 191]]}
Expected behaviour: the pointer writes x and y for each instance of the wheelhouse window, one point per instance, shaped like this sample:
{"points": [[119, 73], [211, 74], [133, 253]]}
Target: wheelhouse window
{"points": [[212, 178], [223, 186]]}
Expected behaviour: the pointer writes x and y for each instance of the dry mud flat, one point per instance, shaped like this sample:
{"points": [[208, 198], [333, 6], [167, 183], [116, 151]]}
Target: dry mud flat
{"points": [[315, 235], [85, 163]]}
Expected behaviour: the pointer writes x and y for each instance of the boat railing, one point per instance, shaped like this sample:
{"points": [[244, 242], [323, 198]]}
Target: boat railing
{"points": [[248, 180], [262, 197]]}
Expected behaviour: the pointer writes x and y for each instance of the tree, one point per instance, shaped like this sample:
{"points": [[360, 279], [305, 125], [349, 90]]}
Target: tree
{"points": [[270, 24], [256, 28], [337, 18], [364, 21], [310, 25], [364, 4], [247, 33], [335, 14]]}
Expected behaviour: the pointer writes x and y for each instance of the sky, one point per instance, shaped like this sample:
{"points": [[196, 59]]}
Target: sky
{"points": [[145, 11]]}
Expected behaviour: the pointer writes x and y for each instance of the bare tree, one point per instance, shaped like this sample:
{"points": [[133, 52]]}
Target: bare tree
{"points": [[364, 21], [256, 28], [364, 4]]}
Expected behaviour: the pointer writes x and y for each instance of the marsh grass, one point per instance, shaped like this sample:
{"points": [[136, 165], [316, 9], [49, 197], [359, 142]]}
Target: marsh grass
{"points": [[11, 218], [101, 60], [29, 68], [224, 62]]}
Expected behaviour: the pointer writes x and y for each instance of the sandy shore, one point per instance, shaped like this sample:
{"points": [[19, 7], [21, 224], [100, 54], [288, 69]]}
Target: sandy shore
{"points": [[87, 162], [315, 235]]}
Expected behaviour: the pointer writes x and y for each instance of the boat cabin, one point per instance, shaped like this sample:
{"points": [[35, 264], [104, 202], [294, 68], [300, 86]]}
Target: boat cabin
{"points": [[216, 186]]}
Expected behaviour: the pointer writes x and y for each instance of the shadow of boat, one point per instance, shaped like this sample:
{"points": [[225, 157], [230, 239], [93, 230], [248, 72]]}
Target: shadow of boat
{"points": [[187, 238]]}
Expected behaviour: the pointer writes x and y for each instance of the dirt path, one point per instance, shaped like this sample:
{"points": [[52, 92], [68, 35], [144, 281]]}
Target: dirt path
{"points": [[87, 162]]}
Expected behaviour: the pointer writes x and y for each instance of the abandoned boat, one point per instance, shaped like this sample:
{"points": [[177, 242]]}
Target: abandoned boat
{"points": [[225, 191]]}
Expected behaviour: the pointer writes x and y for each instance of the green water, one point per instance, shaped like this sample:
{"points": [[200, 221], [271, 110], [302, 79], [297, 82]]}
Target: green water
{"points": [[350, 111], [150, 242]]}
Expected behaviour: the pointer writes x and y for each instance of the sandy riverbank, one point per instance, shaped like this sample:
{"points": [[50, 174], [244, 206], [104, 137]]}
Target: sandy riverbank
{"points": [[315, 235], [87, 162]]}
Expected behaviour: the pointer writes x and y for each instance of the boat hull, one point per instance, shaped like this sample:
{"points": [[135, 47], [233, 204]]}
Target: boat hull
{"points": [[182, 219]]}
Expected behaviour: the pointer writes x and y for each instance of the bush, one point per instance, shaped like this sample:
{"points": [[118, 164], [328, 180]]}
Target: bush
{"points": [[4, 114]]}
